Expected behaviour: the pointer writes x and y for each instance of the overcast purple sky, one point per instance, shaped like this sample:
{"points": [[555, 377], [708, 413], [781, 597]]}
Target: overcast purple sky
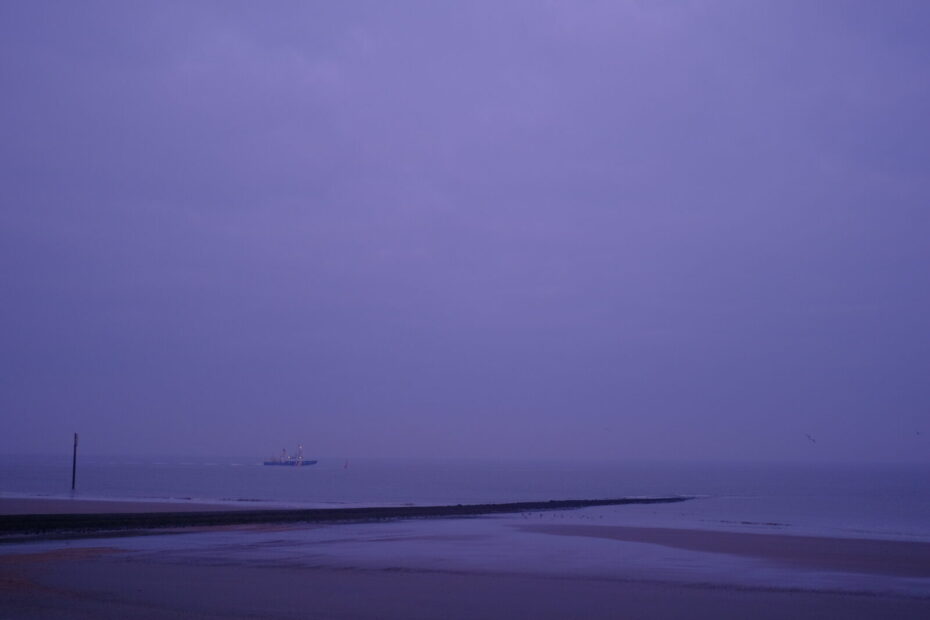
{"points": [[529, 229]]}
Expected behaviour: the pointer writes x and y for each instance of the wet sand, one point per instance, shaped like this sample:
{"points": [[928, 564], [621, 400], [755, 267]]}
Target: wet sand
{"points": [[102, 583]]}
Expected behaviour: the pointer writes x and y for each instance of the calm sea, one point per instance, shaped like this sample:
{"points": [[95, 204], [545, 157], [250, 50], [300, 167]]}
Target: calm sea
{"points": [[888, 501]]}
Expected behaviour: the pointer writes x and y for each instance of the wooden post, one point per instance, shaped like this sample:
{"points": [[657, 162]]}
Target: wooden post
{"points": [[74, 462]]}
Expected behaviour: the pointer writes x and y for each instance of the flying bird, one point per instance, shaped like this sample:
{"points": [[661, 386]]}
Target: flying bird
{"points": [[812, 440]]}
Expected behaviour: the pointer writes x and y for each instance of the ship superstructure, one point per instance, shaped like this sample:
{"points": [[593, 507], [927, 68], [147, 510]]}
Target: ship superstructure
{"points": [[291, 461]]}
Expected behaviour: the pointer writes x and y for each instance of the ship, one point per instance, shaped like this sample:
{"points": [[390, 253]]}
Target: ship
{"points": [[290, 461]]}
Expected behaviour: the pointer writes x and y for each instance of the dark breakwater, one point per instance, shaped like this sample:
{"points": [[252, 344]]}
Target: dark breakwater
{"points": [[58, 524]]}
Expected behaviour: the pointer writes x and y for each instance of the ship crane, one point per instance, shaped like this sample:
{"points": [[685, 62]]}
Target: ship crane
{"points": [[294, 461]]}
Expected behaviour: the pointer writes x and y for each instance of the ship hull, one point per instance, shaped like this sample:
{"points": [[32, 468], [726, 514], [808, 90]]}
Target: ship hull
{"points": [[290, 463]]}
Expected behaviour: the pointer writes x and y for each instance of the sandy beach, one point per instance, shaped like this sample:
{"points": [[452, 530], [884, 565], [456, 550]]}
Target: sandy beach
{"points": [[558, 565], [105, 584]]}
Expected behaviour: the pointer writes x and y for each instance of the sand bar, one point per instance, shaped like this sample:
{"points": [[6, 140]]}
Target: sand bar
{"points": [[858, 555]]}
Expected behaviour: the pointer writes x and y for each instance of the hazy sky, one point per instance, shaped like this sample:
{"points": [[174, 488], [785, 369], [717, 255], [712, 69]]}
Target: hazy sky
{"points": [[530, 229]]}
